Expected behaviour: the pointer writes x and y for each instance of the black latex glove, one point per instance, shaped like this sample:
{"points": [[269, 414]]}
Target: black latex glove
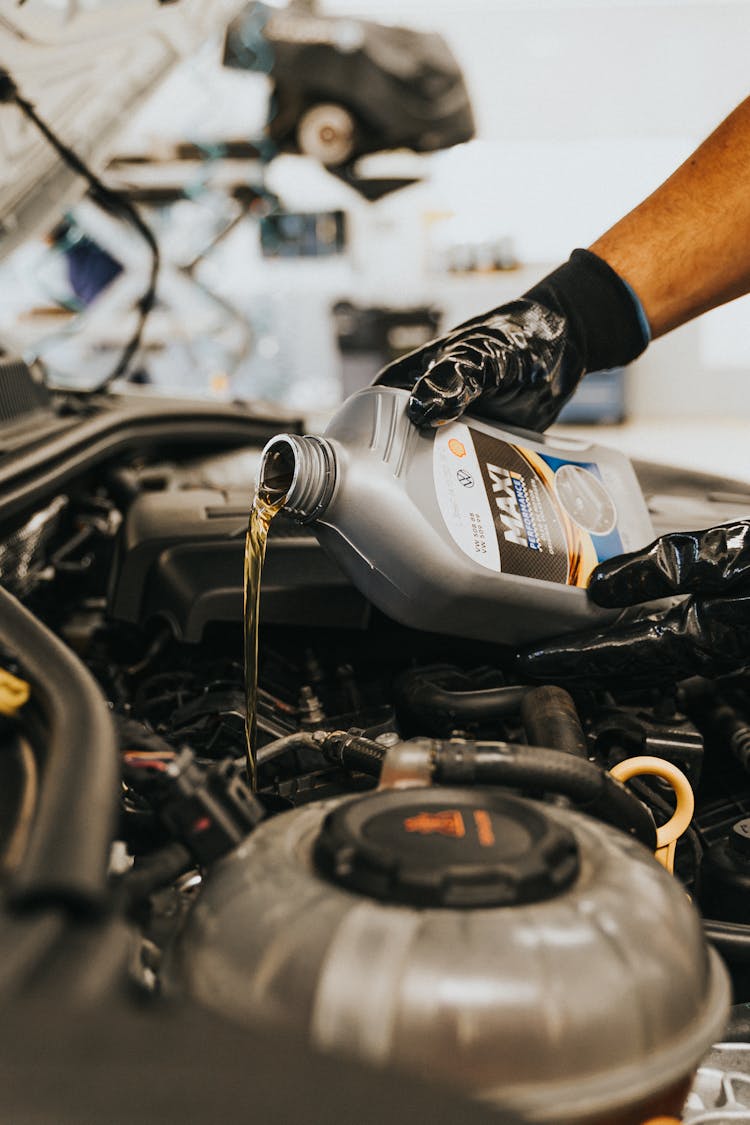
{"points": [[708, 633], [523, 361]]}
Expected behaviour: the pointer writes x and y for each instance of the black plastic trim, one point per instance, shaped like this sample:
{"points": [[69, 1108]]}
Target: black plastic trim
{"points": [[124, 426]]}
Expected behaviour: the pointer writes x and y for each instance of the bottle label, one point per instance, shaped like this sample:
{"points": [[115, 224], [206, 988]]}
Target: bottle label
{"points": [[520, 511]]}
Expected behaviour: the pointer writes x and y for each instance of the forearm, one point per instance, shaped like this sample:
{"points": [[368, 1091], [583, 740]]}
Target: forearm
{"points": [[686, 248]]}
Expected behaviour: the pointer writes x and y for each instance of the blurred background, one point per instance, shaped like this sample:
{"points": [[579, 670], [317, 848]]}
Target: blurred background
{"points": [[329, 190]]}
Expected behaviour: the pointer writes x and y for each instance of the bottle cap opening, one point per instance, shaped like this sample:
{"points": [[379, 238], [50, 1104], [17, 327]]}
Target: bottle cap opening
{"points": [[278, 468], [302, 470]]}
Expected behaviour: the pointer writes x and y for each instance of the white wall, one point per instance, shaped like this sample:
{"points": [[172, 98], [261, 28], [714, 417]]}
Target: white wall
{"points": [[583, 108]]}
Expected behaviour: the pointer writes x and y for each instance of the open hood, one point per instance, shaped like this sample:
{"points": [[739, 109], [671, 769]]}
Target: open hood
{"points": [[77, 62]]}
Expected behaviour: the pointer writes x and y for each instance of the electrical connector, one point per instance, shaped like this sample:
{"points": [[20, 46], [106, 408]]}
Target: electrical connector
{"points": [[209, 808]]}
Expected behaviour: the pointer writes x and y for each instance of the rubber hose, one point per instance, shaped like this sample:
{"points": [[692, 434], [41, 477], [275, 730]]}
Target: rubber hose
{"points": [[68, 852], [425, 700], [155, 871], [732, 939], [15, 845], [542, 770], [550, 718], [355, 753]]}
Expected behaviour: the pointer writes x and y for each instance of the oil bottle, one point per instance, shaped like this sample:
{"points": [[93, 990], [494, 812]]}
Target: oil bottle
{"points": [[471, 529]]}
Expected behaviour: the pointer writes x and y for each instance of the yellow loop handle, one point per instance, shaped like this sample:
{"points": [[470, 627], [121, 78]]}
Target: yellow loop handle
{"points": [[669, 833]]}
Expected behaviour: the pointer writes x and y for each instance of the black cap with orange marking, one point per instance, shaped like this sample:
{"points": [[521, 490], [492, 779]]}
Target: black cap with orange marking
{"points": [[447, 848]]}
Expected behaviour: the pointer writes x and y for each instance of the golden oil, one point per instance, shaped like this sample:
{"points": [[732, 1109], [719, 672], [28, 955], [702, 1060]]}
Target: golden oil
{"points": [[266, 504]]}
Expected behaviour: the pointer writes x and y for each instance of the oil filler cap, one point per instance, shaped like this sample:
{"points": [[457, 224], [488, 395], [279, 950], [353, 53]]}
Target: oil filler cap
{"points": [[447, 847]]}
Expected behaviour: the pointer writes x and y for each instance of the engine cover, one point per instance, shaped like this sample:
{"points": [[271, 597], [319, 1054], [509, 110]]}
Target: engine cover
{"points": [[181, 557]]}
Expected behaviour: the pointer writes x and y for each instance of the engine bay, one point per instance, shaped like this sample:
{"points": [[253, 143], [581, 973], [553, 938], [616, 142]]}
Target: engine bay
{"points": [[131, 555], [347, 868]]}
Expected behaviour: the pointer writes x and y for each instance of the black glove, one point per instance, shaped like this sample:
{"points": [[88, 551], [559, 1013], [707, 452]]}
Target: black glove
{"points": [[708, 633], [522, 362]]}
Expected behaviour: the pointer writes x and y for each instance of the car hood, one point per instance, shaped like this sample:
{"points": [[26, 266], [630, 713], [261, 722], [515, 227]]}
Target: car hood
{"points": [[78, 64]]}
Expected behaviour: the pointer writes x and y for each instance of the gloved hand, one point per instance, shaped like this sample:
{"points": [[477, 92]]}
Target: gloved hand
{"points": [[522, 362], [708, 633]]}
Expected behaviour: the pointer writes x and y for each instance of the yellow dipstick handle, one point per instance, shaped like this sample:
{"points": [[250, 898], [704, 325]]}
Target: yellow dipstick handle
{"points": [[13, 693], [669, 833]]}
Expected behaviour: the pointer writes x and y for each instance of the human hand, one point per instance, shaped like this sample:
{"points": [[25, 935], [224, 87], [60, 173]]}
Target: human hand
{"points": [[518, 363], [521, 362], [708, 633]]}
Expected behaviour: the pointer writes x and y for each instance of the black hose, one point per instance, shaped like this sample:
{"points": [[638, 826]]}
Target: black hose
{"points": [[550, 718], [431, 705], [530, 768], [15, 845], [68, 852], [732, 939], [153, 872], [352, 752], [540, 770]]}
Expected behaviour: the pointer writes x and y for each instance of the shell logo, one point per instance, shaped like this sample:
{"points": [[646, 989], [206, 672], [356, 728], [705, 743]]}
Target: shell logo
{"points": [[457, 448]]}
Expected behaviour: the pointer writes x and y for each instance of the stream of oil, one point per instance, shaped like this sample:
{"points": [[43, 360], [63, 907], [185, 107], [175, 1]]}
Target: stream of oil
{"points": [[265, 506]]}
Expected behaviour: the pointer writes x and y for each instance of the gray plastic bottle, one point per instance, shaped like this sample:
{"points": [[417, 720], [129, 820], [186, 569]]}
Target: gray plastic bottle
{"points": [[472, 529]]}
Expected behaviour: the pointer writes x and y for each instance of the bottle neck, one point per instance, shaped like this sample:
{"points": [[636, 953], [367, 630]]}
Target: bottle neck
{"points": [[302, 470]]}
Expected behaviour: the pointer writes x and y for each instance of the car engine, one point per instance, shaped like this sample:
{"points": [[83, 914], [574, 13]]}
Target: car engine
{"points": [[407, 883], [301, 906]]}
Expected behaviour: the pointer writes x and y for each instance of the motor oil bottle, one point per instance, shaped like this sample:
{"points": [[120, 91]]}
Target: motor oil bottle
{"points": [[471, 529]]}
